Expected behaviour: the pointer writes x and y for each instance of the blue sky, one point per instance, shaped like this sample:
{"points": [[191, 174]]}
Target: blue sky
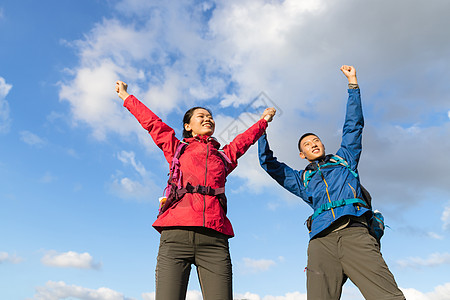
{"points": [[80, 179]]}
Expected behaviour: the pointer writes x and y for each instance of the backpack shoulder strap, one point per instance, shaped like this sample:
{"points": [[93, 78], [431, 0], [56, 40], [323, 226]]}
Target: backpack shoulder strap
{"points": [[334, 160], [174, 173], [226, 160], [306, 176], [339, 160], [180, 149]]}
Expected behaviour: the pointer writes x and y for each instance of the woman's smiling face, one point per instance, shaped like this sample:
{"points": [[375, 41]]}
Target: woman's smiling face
{"points": [[201, 123]]}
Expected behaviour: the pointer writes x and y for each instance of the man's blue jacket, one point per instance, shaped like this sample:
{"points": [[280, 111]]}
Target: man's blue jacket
{"points": [[329, 185]]}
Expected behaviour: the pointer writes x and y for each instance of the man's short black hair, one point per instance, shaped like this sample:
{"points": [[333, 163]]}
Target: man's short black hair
{"points": [[302, 137]]}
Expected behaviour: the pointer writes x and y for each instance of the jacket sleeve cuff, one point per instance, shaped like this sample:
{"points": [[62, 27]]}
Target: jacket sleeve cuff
{"points": [[264, 123], [127, 99]]}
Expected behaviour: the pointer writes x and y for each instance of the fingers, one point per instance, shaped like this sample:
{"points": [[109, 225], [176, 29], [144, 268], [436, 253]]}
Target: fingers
{"points": [[349, 71], [346, 68], [268, 114], [270, 111], [121, 86], [121, 89]]}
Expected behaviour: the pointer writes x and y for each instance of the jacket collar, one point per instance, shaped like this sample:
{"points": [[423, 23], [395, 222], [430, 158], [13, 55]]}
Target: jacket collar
{"points": [[313, 166], [203, 139]]}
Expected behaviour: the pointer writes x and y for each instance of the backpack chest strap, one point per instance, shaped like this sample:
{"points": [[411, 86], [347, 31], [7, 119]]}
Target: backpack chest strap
{"points": [[334, 204], [200, 189]]}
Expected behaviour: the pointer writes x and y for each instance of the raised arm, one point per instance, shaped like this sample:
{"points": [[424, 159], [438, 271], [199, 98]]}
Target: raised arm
{"points": [[161, 133], [287, 177], [242, 142], [351, 145]]}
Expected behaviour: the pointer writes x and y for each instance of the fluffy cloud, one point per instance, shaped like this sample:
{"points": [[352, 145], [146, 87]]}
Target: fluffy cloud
{"points": [[227, 53], [190, 295], [197, 295], [446, 218], [435, 259], [128, 157], [31, 139], [441, 292], [60, 290], [141, 187], [257, 265], [4, 106], [70, 259], [6, 257], [288, 296]]}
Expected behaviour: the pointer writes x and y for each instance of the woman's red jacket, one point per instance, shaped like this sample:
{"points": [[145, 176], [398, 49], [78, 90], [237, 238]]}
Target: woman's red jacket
{"points": [[201, 164]]}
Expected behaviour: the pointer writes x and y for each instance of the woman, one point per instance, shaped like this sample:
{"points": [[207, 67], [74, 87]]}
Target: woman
{"points": [[195, 229]]}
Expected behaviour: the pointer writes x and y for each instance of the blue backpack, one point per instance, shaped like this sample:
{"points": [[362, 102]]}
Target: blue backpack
{"points": [[376, 220]]}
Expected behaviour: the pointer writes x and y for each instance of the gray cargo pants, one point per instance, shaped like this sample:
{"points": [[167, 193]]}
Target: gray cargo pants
{"points": [[207, 249], [349, 253]]}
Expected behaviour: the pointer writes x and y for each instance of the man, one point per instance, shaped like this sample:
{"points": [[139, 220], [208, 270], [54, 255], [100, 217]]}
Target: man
{"points": [[340, 245]]}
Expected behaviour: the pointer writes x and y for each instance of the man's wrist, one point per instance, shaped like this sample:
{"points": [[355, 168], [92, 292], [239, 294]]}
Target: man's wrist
{"points": [[352, 79], [353, 86]]}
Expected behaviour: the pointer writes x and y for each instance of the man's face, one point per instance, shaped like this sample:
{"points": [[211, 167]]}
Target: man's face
{"points": [[311, 148]]}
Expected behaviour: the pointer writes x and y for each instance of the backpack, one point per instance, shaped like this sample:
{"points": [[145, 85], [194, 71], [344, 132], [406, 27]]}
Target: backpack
{"points": [[375, 222], [174, 190]]}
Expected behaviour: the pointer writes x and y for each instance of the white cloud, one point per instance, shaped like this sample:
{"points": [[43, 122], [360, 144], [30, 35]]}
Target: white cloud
{"points": [[6, 257], [434, 260], [446, 218], [292, 50], [287, 296], [4, 88], [60, 290], [128, 157], [31, 139], [106, 55], [441, 292], [197, 295], [141, 188], [128, 188], [435, 236], [92, 99], [257, 265], [70, 259], [190, 295], [5, 120]]}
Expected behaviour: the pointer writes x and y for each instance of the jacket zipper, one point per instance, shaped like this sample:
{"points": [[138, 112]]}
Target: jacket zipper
{"points": [[204, 196]]}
